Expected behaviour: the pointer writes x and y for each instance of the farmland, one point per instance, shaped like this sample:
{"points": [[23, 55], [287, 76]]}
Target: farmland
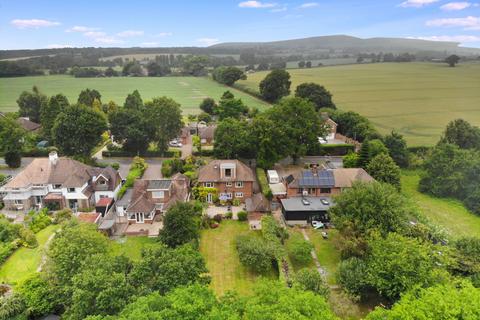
{"points": [[188, 91], [416, 99]]}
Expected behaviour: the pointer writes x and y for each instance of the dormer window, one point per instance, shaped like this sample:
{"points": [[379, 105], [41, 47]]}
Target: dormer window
{"points": [[103, 182], [71, 190], [228, 173], [57, 186]]}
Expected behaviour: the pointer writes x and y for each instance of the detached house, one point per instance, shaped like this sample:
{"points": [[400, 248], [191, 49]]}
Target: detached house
{"points": [[232, 179], [59, 183], [149, 198]]}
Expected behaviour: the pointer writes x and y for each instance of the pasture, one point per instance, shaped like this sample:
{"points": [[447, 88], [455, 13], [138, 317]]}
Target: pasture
{"points": [[416, 99], [188, 91]]}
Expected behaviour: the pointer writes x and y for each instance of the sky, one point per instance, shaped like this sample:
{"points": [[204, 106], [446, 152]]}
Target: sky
{"points": [[33, 24]]}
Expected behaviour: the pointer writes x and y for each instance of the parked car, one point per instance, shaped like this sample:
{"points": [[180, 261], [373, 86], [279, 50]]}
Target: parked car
{"points": [[317, 224], [175, 143]]}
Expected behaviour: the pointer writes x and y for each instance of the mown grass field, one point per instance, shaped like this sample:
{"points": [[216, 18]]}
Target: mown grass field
{"points": [[24, 261], [188, 91], [218, 248], [450, 214], [131, 247], [416, 99]]}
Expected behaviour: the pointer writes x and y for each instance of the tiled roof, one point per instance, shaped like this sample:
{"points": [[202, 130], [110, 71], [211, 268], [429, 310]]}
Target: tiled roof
{"points": [[211, 172]]}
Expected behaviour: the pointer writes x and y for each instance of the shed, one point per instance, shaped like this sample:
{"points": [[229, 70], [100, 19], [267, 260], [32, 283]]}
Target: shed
{"points": [[304, 210]]}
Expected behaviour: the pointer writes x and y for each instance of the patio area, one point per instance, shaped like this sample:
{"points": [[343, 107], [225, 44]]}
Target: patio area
{"points": [[144, 229], [214, 210]]}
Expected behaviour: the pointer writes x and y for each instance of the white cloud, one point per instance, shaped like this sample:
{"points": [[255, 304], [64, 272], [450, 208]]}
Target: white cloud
{"points": [[33, 23], [455, 6], [458, 38], [163, 34], [59, 46], [309, 5], [94, 34], [417, 3], [282, 9], [256, 4], [207, 41], [468, 23], [130, 33], [149, 44], [81, 29], [108, 40]]}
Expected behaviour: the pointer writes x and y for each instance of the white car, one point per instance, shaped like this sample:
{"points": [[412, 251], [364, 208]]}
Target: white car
{"points": [[175, 143], [317, 225]]}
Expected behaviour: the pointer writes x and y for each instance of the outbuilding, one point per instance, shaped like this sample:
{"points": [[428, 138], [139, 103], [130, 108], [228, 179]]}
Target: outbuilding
{"points": [[304, 210]]}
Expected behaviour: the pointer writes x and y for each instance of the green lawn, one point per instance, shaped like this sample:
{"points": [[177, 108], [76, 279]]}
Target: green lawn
{"points": [[188, 91], [218, 248], [416, 99], [24, 261], [451, 214], [296, 234], [131, 246], [328, 255]]}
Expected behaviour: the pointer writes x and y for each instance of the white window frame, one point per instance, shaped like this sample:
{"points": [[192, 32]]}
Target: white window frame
{"points": [[208, 184], [238, 184], [18, 201], [69, 190], [57, 186], [229, 184], [229, 195], [238, 194]]}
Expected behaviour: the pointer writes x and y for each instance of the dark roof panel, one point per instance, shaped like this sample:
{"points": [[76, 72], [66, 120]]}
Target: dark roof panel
{"points": [[318, 179], [159, 184]]}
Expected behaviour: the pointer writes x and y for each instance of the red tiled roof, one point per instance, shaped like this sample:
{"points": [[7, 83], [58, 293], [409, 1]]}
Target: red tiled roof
{"points": [[88, 217], [104, 202]]}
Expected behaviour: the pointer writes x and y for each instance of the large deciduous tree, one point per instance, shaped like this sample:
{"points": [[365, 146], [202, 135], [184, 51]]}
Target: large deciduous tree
{"points": [[397, 148], [208, 105], [233, 139], [300, 123], [462, 134], [275, 85], [165, 117], [383, 169], [88, 96], [452, 60], [228, 75], [162, 269], [11, 141], [50, 111], [181, 225], [78, 129], [31, 103], [315, 93]]}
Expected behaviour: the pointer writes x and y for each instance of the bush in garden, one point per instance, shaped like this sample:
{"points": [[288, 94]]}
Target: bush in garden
{"points": [[62, 216], [228, 215], [242, 215], [28, 238], [311, 280], [255, 253], [301, 250], [218, 218]]}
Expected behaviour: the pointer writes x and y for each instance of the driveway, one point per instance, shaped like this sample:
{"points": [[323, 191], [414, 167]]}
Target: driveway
{"points": [[187, 148], [212, 211]]}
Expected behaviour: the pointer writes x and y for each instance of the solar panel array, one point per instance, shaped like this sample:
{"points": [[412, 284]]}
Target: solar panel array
{"points": [[320, 179]]}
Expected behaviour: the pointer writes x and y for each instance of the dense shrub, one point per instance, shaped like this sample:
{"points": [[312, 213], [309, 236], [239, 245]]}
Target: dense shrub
{"points": [[218, 218], [311, 280], [38, 220], [255, 253], [242, 216], [27, 238], [300, 250], [148, 153], [62, 216], [6, 250], [263, 182]]}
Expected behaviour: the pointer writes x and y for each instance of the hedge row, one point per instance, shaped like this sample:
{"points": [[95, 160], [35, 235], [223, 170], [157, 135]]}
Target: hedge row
{"points": [[151, 154], [333, 150], [204, 153], [263, 182]]}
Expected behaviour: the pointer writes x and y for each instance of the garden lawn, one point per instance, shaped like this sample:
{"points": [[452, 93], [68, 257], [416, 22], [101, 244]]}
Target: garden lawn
{"points": [[415, 99], [218, 248], [24, 261], [328, 255], [448, 213], [296, 234], [132, 247], [188, 91]]}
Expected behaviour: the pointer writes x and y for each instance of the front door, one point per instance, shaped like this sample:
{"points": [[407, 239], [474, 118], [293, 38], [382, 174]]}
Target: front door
{"points": [[209, 198], [139, 217]]}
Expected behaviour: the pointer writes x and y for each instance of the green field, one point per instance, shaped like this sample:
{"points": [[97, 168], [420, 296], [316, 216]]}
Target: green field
{"points": [[188, 91], [450, 214], [131, 247], [416, 99]]}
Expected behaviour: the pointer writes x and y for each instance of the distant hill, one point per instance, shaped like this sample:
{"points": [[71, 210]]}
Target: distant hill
{"points": [[348, 44]]}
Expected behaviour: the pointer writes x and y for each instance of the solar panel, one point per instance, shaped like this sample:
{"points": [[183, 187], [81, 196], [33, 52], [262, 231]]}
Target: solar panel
{"points": [[320, 179]]}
